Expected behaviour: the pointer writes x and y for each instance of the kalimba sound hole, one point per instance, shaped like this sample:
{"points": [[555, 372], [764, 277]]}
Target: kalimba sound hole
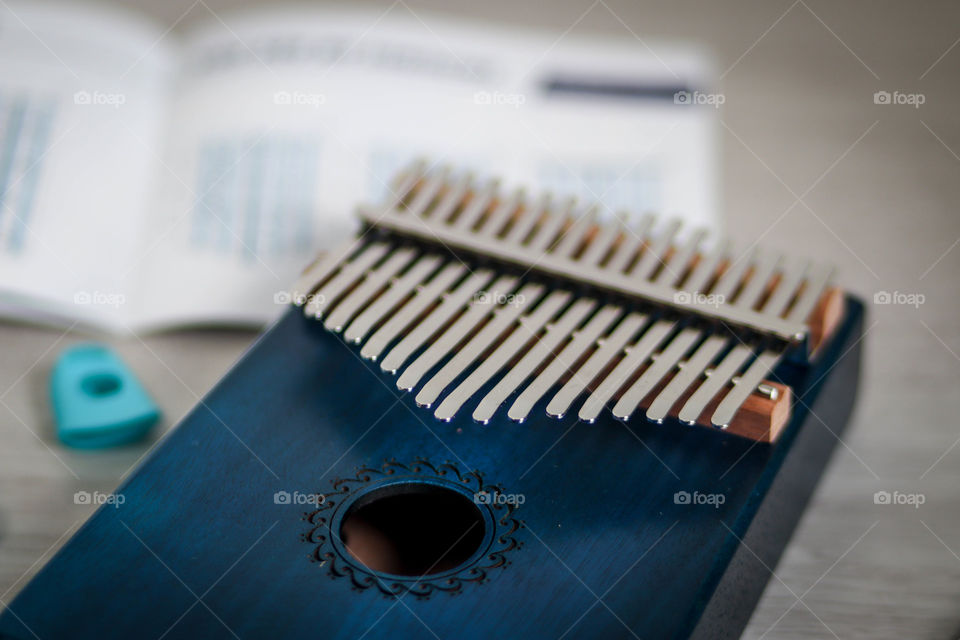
{"points": [[413, 529]]}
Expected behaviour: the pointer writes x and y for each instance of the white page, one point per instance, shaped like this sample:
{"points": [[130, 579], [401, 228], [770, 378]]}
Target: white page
{"points": [[82, 91], [284, 121]]}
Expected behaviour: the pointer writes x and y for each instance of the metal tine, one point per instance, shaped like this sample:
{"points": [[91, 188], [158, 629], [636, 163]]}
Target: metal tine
{"points": [[728, 281], [318, 271], [477, 205], [529, 326], [721, 376], [427, 192], [706, 268], [350, 273], [399, 289], [550, 228], [683, 256], [762, 271], [669, 356], [634, 238], [435, 320], [556, 332], [540, 351], [789, 282], [636, 355], [375, 280], [449, 201], [609, 347], [423, 297], [768, 360], [748, 382], [690, 372], [816, 282], [575, 234], [528, 218], [501, 213], [655, 252], [605, 236], [477, 310], [582, 340], [503, 316], [693, 368]]}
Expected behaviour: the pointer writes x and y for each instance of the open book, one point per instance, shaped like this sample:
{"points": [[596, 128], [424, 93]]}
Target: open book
{"points": [[151, 179]]}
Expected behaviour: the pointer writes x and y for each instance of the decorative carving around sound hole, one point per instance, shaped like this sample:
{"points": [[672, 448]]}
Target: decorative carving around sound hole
{"points": [[474, 564]]}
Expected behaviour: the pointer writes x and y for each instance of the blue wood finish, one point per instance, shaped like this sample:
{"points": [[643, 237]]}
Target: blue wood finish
{"points": [[200, 548]]}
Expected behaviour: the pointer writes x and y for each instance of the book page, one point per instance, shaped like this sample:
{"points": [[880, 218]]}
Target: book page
{"points": [[283, 122], [82, 91]]}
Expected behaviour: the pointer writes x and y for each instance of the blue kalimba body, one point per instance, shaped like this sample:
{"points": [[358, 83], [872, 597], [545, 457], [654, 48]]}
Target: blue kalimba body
{"points": [[629, 430]]}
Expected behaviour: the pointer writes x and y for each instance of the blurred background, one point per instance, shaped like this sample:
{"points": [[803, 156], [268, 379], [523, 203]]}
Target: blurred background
{"points": [[837, 138]]}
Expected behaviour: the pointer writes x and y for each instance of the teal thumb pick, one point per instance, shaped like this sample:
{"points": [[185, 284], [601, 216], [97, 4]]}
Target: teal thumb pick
{"points": [[97, 401]]}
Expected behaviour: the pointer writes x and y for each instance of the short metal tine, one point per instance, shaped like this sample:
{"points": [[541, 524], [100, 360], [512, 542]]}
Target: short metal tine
{"points": [[728, 282], [407, 181], [568, 357], [479, 308], [608, 348], [549, 229], [718, 380], [400, 289], [632, 240], [813, 288], [449, 201], [427, 193], [504, 315], [678, 263], [526, 220], [656, 252], [575, 235], [636, 355], [656, 372], [601, 243], [425, 296], [762, 271], [783, 294], [349, 274], [501, 213], [435, 320], [375, 281], [753, 376], [555, 333], [478, 204], [528, 326], [691, 371], [314, 275], [705, 268]]}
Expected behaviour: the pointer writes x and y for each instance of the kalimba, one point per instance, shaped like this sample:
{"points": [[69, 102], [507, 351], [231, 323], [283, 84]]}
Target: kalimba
{"points": [[486, 416]]}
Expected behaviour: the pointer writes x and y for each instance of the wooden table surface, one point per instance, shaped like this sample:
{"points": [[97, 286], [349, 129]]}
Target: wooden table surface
{"points": [[811, 165]]}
